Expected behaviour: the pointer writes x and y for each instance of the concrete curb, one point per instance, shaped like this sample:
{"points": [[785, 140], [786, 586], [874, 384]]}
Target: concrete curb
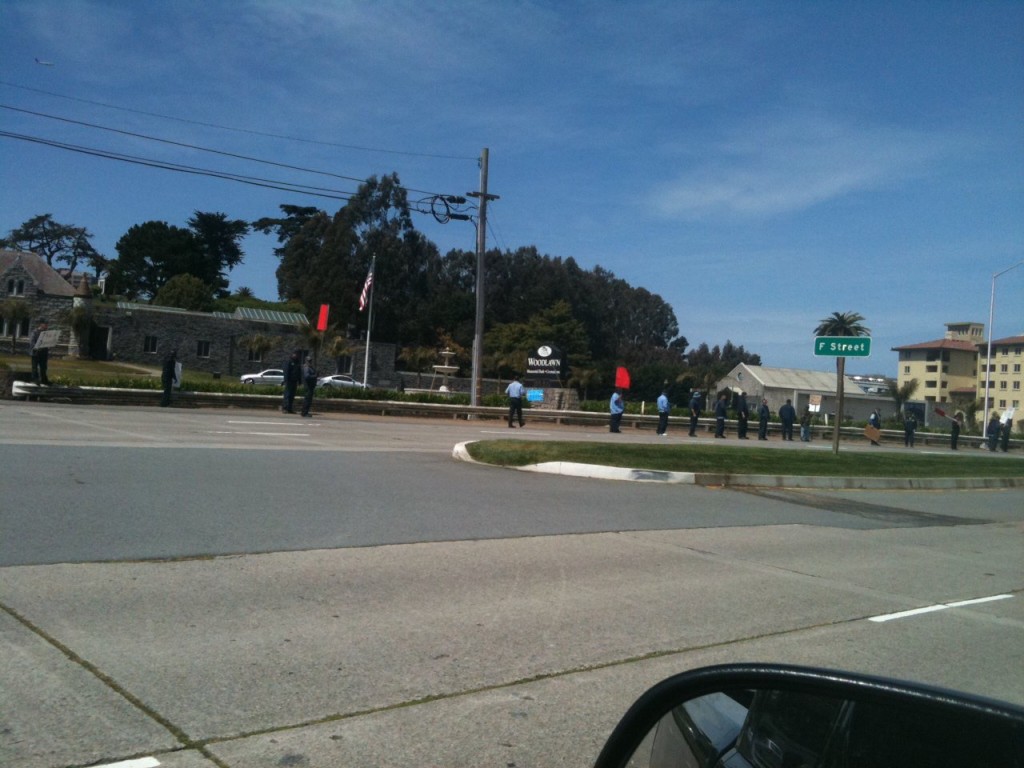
{"points": [[572, 469]]}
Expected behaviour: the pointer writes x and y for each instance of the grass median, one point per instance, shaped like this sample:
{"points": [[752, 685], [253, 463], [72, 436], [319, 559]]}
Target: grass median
{"points": [[748, 461]]}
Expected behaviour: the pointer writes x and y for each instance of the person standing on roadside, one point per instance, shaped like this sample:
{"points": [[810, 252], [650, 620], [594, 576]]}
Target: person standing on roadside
{"points": [[954, 431], [992, 431], [743, 414], [787, 415], [292, 376], [40, 355], [515, 391], [763, 414], [169, 377], [1004, 442], [309, 379], [875, 422], [694, 412], [616, 407], [721, 411], [805, 426], [663, 409], [909, 428]]}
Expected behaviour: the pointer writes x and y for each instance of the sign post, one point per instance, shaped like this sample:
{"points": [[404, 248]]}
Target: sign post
{"points": [[842, 346]]}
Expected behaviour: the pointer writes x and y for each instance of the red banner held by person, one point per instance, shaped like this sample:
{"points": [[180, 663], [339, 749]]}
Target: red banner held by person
{"points": [[621, 378], [321, 323]]}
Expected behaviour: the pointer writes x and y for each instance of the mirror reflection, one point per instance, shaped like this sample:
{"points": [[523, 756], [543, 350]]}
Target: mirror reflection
{"points": [[796, 729]]}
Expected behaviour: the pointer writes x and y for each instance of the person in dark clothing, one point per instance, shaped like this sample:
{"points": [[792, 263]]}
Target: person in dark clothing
{"points": [[743, 414], [787, 415], [992, 431], [954, 431], [169, 376], [309, 380], [40, 355], [721, 411], [805, 426], [694, 413], [292, 376], [1004, 441], [763, 414], [909, 428]]}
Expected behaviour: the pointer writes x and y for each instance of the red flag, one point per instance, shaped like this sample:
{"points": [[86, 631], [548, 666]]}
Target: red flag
{"points": [[364, 297], [621, 378], [321, 323]]}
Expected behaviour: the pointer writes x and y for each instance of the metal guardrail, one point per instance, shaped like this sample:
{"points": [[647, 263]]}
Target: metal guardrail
{"points": [[118, 396]]}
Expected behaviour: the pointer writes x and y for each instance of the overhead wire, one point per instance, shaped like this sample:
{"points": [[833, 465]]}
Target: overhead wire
{"points": [[196, 147], [256, 181], [224, 175], [237, 130]]}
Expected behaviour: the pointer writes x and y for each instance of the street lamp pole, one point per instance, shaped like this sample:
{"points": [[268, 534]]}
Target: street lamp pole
{"points": [[988, 356]]}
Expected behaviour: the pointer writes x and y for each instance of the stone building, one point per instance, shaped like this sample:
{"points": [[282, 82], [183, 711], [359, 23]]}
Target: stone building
{"points": [[32, 290], [212, 342]]}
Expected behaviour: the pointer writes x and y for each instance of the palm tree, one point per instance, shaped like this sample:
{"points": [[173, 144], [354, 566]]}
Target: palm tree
{"points": [[841, 324], [337, 347], [584, 379], [258, 344], [418, 358], [901, 394]]}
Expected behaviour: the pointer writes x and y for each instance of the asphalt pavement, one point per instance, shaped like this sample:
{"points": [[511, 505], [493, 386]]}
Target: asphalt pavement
{"points": [[236, 589]]}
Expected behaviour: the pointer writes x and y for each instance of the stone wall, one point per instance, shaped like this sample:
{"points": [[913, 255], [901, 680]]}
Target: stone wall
{"points": [[205, 342]]}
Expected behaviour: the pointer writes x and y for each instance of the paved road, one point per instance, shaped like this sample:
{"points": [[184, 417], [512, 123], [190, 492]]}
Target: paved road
{"points": [[247, 589]]}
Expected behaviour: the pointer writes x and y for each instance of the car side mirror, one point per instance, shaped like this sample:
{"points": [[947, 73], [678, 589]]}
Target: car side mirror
{"points": [[777, 716]]}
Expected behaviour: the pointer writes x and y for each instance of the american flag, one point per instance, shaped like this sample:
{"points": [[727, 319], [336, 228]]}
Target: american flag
{"points": [[364, 297]]}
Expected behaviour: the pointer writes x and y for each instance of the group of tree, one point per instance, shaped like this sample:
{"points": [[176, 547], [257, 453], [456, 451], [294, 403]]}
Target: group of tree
{"points": [[423, 300]]}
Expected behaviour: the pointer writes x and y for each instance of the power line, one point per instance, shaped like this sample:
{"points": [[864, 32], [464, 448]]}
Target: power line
{"points": [[196, 147], [255, 181], [236, 130]]}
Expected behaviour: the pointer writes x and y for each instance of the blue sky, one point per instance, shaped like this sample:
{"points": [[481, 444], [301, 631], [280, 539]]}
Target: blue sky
{"points": [[759, 165]]}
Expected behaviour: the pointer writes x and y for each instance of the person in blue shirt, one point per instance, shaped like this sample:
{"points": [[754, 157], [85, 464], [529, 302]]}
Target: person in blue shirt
{"points": [[617, 406], [663, 408], [515, 392]]}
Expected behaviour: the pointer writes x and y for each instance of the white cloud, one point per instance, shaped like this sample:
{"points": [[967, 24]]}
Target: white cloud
{"points": [[792, 164]]}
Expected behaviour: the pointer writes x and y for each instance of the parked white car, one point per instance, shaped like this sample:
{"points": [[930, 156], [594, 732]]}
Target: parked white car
{"points": [[269, 376], [339, 380]]}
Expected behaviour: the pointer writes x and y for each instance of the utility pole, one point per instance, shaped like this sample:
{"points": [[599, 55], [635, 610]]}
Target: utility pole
{"points": [[481, 245]]}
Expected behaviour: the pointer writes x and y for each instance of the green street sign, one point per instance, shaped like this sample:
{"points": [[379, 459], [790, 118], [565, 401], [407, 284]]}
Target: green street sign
{"points": [[843, 346]]}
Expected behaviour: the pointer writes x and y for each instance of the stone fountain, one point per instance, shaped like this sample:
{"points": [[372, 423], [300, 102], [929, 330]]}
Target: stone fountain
{"points": [[446, 369]]}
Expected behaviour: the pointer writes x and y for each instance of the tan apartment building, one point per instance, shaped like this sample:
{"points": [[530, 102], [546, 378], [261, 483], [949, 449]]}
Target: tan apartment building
{"points": [[946, 369], [1005, 378]]}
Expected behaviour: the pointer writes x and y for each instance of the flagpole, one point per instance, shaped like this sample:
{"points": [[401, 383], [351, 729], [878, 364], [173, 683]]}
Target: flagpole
{"points": [[369, 321]]}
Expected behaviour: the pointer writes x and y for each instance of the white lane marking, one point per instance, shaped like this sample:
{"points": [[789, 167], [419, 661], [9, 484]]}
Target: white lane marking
{"points": [[937, 607], [144, 762], [265, 423], [505, 432], [262, 434]]}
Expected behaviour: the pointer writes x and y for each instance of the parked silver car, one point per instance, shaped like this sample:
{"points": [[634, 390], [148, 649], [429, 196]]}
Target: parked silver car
{"points": [[269, 376], [339, 380]]}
